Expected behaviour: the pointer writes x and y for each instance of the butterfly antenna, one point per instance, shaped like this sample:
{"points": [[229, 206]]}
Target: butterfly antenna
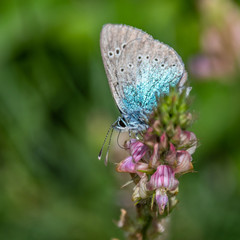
{"points": [[108, 147], [100, 153]]}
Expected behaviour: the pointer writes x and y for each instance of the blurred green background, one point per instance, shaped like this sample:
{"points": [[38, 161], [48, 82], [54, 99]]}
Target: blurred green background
{"points": [[56, 106]]}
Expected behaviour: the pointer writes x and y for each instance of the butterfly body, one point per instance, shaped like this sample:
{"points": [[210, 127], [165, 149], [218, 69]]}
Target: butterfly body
{"points": [[139, 70]]}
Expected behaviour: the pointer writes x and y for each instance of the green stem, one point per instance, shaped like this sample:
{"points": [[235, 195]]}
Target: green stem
{"points": [[145, 218]]}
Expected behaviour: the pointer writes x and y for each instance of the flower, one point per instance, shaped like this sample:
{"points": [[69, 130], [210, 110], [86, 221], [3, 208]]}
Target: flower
{"points": [[171, 155], [193, 143], [162, 180], [157, 161], [137, 149], [132, 163], [163, 141], [140, 191], [154, 158], [129, 166], [185, 140], [184, 162], [163, 177], [161, 199]]}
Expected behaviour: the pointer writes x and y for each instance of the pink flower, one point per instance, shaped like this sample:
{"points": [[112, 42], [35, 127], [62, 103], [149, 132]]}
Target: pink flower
{"points": [[162, 180], [137, 149], [186, 140], [184, 162], [163, 177], [129, 166], [161, 199]]}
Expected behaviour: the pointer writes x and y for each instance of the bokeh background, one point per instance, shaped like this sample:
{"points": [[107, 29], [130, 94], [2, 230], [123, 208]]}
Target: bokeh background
{"points": [[56, 106]]}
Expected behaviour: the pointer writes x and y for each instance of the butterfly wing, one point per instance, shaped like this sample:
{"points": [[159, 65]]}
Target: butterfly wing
{"points": [[138, 67], [113, 42]]}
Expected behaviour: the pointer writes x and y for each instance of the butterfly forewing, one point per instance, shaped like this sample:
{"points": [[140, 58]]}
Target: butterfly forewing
{"points": [[114, 41]]}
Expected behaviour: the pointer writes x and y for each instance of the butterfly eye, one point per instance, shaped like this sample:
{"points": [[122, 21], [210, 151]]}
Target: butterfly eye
{"points": [[122, 69], [147, 57], [139, 58], [117, 50], [174, 65], [110, 54], [122, 123], [130, 65], [156, 59], [162, 65]]}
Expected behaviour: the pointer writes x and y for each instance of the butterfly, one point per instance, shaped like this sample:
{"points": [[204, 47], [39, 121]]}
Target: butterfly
{"points": [[139, 69]]}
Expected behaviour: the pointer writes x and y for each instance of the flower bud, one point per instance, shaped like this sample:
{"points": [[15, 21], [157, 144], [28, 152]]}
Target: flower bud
{"points": [[171, 155], [163, 142], [187, 139], [184, 163], [149, 137], [157, 126], [136, 195], [185, 120], [170, 129], [184, 138], [176, 138], [154, 158], [193, 143]]}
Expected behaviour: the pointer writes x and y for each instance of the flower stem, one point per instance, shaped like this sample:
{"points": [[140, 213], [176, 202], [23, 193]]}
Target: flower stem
{"points": [[146, 218]]}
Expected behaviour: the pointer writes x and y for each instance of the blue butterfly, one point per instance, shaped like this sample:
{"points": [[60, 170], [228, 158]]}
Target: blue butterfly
{"points": [[139, 70]]}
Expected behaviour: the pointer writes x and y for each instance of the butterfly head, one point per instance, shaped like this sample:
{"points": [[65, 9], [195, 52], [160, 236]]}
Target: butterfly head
{"points": [[124, 125], [121, 124]]}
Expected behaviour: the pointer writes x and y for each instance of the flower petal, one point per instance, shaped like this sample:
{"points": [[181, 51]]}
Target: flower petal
{"points": [[163, 177], [161, 199], [188, 141], [184, 163], [141, 166], [193, 143], [140, 190], [163, 141], [138, 150], [171, 155], [126, 165], [154, 158]]}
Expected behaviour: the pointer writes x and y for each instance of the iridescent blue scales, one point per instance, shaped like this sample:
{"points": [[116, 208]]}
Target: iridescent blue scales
{"points": [[139, 70]]}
